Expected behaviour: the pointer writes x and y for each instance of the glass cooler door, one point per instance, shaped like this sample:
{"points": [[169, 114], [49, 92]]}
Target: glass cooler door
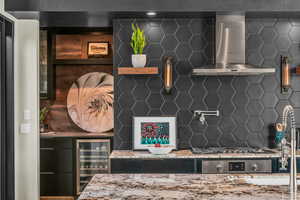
{"points": [[92, 158]]}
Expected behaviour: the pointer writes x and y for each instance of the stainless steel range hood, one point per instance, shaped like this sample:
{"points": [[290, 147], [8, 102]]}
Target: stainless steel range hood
{"points": [[230, 50]]}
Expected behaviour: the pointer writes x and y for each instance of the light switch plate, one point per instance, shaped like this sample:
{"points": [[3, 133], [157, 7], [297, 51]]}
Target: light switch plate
{"points": [[27, 114], [25, 128]]}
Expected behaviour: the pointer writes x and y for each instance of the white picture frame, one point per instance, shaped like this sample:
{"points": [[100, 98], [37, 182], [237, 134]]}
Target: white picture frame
{"points": [[168, 122]]}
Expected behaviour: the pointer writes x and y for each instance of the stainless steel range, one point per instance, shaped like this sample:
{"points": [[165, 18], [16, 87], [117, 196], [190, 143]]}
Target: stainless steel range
{"points": [[235, 165]]}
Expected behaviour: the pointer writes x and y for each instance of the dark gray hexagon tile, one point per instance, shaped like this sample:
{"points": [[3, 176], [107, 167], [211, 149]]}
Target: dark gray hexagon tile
{"points": [[268, 22], [140, 108], [240, 84], [255, 107], [213, 135], [183, 83], [269, 116], [255, 124], [227, 107], [183, 34], [255, 58], [169, 96], [169, 108], [183, 67], [126, 133], [240, 100], [197, 59], [254, 42], [226, 90], [269, 83], [255, 91], [183, 21], [183, 100], [125, 50], [155, 100], [154, 51], [269, 51], [240, 116], [125, 145], [197, 26], [154, 23], [155, 34], [255, 140], [295, 34], [294, 49], [184, 117], [227, 140], [125, 117], [198, 104], [124, 35], [169, 26], [212, 100], [126, 100], [283, 43], [155, 112], [169, 43], [183, 51], [198, 43], [269, 100], [184, 133], [283, 26], [126, 83], [198, 141], [227, 125], [240, 133], [198, 90], [155, 83], [253, 26], [140, 92], [255, 79], [268, 35], [295, 99], [295, 82], [212, 84]]}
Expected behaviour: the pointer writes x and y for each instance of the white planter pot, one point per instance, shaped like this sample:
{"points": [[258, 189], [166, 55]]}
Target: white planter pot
{"points": [[138, 60]]}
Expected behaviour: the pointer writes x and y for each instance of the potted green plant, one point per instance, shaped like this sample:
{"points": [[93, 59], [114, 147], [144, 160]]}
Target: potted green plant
{"points": [[138, 43], [43, 114]]}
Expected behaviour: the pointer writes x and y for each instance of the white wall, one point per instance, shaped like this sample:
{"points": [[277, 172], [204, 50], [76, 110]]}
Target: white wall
{"points": [[26, 62]]}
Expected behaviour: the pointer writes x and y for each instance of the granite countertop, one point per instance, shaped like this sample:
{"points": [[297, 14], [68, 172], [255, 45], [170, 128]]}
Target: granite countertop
{"points": [[180, 187], [53, 134], [128, 154]]}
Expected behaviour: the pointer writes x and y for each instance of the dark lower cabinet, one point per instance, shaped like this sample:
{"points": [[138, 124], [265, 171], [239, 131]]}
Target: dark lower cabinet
{"points": [[56, 167], [152, 165]]}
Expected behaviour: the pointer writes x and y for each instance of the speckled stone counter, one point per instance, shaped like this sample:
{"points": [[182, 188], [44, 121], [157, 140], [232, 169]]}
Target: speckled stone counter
{"points": [[126, 154], [179, 187]]}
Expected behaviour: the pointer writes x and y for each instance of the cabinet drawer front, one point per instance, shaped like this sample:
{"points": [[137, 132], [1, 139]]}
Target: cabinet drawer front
{"points": [[152, 166]]}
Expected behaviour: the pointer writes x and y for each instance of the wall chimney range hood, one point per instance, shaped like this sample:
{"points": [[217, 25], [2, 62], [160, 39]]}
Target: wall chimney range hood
{"points": [[230, 50]]}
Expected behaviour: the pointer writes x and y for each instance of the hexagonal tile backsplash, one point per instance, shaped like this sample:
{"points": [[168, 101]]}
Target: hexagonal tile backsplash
{"points": [[248, 105]]}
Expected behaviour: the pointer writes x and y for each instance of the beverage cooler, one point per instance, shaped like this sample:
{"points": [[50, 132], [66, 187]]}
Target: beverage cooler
{"points": [[92, 158]]}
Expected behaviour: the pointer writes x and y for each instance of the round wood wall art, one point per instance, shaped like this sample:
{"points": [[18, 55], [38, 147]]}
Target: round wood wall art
{"points": [[90, 102]]}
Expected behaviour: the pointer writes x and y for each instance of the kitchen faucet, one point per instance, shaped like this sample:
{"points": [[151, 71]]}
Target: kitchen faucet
{"points": [[288, 111], [202, 113]]}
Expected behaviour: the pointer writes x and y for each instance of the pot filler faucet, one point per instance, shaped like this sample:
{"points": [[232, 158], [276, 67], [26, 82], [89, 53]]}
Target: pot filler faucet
{"points": [[288, 111], [202, 113]]}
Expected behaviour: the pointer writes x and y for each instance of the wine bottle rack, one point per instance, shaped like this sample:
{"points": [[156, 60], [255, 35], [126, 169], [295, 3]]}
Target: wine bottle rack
{"points": [[92, 158]]}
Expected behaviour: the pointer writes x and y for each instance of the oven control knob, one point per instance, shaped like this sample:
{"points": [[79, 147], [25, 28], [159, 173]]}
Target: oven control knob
{"points": [[219, 168], [254, 167]]}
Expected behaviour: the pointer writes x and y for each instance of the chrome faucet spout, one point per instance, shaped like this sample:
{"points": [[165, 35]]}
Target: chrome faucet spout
{"points": [[288, 112]]}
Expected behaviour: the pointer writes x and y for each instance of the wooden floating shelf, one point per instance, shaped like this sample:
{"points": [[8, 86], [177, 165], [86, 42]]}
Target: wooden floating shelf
{"points": [[137, 70]]}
